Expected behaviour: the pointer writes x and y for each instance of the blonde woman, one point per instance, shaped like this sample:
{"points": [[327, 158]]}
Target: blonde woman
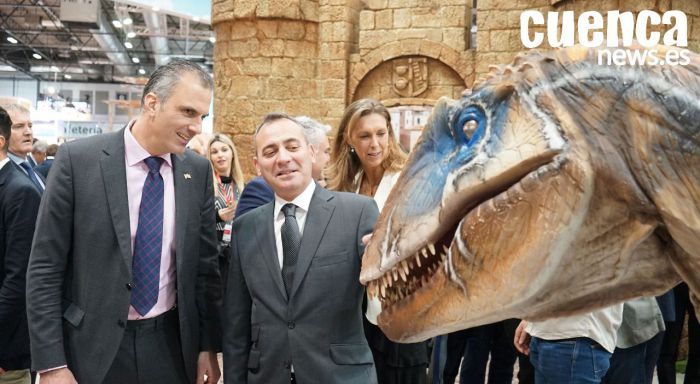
{"points": [[228, 184], [367, 159]]}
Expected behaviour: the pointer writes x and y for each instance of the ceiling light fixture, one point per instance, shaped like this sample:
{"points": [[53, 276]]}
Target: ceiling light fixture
{"points": [[67, 76], [12, 40], [117, 23], [54, 68], [128, 45], [212, 39], [135, 60], [142, 71], [127, 21], [36, 56], [131, 34]]}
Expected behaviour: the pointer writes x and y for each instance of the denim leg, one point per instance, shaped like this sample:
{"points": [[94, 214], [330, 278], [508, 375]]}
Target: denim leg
{"points": [[578, 361]]}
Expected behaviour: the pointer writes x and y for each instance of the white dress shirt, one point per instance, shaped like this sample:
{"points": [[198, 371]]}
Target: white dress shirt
{"points": [[302, 202]]}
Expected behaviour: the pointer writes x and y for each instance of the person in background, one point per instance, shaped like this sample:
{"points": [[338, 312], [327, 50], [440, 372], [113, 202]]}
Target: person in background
{"points": [[228, 182], [123, 281], [43, 168], [317, 135], [257, 192], [639, 340], [19, 205], [472, 348], [669, 351], [39, 149], [21, 143], [366, 159]]}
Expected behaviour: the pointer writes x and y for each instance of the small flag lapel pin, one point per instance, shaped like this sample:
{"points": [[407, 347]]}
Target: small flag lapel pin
{"points": [[187, 176]]}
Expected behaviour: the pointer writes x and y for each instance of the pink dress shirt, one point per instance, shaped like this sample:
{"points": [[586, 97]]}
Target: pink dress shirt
{"points": [[136, 172]]}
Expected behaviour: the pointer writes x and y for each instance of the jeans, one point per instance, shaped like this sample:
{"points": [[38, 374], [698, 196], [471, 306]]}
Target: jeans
{"points": [[571, 361]]}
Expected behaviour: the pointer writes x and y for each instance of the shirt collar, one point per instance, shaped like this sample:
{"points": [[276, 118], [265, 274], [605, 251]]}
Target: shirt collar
{"points": [[3, 162], [134, 152], [302, 201], [17, 159]]}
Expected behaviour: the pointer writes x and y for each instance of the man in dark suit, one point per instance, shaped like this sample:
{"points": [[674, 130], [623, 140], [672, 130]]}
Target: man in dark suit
{"points": [[21, 143], [255, 194], [123, 281], [19, 204], [292, 309], [43, 168]]}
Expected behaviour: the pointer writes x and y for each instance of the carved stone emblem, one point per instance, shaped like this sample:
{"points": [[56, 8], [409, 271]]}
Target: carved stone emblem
{"points": [[410, 76]]}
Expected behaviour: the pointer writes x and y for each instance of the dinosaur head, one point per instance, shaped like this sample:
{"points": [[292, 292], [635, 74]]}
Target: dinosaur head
{"points": [[510, 196]]}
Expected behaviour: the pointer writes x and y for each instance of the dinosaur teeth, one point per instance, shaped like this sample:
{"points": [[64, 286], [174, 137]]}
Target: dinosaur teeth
{"points": [[404, 264], [444, 248], [395, 274], [402, 274], [424, 252], [383, 291], [418, 260], [431, 246]]}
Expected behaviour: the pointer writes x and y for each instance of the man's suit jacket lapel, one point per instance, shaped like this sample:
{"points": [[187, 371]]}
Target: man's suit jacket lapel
{"points": [[182, 179], [265, 233], [113, 165], [320, 212]]}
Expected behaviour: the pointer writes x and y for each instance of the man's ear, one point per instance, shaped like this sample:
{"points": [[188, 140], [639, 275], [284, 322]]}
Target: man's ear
{"points": [[257, 165], [312, 153], [150, 103]]}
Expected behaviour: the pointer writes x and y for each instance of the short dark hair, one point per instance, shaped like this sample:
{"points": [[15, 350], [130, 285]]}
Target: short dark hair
{"points": [[5, 127], [167, 76], [275, 116]]}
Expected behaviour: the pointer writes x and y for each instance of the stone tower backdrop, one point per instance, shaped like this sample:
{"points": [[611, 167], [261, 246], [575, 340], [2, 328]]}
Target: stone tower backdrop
{"points": [[314, 57]]}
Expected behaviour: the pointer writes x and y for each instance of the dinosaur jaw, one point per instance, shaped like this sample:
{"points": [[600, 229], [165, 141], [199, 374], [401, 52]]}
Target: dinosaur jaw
{"points": [[433, 275]]}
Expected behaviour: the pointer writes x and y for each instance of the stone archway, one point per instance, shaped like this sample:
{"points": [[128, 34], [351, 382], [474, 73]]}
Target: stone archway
{"points": [[412, 72]]}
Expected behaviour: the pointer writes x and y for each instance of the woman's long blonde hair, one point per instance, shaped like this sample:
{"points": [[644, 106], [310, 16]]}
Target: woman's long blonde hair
{"points": [[345, 165], [236, 173]]}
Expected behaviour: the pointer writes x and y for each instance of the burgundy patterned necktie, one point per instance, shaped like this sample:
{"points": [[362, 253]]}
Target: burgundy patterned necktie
{"points": [[148, 243]]}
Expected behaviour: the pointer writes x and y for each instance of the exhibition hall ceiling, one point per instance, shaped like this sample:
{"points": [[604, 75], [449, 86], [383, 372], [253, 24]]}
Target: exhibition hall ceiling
{"points": [[118, 41]]}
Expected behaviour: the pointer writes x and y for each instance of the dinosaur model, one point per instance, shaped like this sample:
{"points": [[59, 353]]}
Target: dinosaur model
{"points": [[556, 186]]}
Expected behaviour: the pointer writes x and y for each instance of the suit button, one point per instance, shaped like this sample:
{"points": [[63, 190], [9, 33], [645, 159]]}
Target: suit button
{"points": [[120, 323], [290, 325], [129, 286]]}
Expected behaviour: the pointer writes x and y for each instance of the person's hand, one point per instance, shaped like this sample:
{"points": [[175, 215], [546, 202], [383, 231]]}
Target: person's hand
{"points": [[226, 214], [522, 339], [207, 365], [57, 376], [366, 239]]}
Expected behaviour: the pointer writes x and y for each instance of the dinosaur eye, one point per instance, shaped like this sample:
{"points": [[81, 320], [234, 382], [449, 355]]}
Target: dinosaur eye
{"points": [[469, 125], [469, 128]]}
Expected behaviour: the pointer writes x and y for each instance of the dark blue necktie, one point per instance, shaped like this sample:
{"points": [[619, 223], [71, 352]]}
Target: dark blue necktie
{"points": [[32, 175], [291, 240], [148, 243]]}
